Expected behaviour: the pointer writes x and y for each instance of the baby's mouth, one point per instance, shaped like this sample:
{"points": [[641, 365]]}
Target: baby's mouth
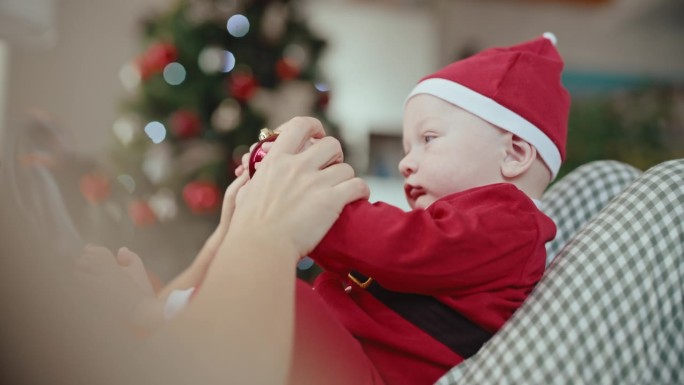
{"points": [[413, 192]]}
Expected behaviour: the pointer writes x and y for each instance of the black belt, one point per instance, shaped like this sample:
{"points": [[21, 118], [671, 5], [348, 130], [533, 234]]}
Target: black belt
{"points": [[446, 325]]}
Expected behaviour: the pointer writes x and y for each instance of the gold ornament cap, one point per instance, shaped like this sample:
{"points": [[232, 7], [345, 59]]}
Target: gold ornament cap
{"points": [[266, 133]]}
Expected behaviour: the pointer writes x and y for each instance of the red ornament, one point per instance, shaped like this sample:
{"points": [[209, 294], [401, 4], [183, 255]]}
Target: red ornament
{"points": [[201, 196], [287, 69], [141, 213], [324, 99], [156, 57], [258, 154], [185, 124], [243, 86], [95, 187]]}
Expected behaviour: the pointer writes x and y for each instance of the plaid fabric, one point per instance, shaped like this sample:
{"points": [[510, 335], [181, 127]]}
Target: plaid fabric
{"points": [[610, 309], [578, 197]]}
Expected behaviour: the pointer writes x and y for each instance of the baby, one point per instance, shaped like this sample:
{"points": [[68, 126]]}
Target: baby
{"points": [[423, 290]]}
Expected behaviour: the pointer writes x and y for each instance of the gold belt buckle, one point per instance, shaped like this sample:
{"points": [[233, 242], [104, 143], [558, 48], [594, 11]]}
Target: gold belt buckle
{"points": [[362, 285]]}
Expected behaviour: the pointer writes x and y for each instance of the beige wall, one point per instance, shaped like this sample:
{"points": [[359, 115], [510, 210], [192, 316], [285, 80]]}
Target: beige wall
{"points": [[624, 36], [74, 76], [3, 86], [376, 53]]}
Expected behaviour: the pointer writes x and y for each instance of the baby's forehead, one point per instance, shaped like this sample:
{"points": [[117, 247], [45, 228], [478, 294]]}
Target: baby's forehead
{"points": [[425, 111], [426, 106]]}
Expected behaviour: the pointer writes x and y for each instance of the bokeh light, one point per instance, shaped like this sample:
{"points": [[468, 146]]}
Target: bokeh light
{"points": [[228, 61], [238, 25], [305, 263], [174, 73], [125, 128], [163, 203], [322, 87], [210, 60], [156, 131], [130, 76], [127, 182]]}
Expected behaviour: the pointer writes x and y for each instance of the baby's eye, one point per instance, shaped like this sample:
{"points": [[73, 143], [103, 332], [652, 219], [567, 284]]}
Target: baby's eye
{"points": [[428, 138]]}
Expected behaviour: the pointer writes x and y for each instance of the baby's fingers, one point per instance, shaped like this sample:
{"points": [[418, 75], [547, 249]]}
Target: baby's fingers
{"points": [[336, 174], [351, 190]]}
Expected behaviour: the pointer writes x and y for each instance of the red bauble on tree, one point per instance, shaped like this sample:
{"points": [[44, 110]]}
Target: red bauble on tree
{"points": [[185, 124], [95, 187], [156, 57], [243, 86], [287, 69], [323, 99], [141, 213], [201, 196]]}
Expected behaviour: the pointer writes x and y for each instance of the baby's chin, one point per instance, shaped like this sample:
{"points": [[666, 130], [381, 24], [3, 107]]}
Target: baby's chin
{"points": [[423, 202]]}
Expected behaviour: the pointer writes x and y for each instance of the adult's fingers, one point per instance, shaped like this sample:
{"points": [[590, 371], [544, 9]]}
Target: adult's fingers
{"points": [[295, 133], [244, 160], [125, 257], [99, 252], [323, 153], [229, 200], [239, 170], [133, 265], [233, 188], [95, 259]]}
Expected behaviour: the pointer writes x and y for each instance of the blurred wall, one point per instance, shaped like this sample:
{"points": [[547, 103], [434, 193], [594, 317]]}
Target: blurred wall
{"points": [[3, 86], [376, 53], [73, 75], [634, 37]]}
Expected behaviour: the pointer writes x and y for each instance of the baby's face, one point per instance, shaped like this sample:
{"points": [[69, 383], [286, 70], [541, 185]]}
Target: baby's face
{"points": [[447, 150]]}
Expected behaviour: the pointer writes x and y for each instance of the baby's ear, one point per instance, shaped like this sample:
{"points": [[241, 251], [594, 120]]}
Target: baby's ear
{"points": [[520, 156]]}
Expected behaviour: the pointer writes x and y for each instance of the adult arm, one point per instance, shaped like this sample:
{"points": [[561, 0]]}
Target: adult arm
{"points": [[193, 274], [243, 315]]}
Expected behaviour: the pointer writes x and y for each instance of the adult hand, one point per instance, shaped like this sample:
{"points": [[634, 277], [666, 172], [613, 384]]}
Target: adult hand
{"points": [[195, 273], [209, 250], [120, 282], [266, 147], [300, 189]]}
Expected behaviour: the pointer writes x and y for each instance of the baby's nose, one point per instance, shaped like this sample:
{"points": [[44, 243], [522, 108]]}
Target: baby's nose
{"points": [[407, 166]]}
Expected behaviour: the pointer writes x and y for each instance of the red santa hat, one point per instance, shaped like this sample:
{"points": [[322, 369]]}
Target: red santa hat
{"points": [[516, 88]]}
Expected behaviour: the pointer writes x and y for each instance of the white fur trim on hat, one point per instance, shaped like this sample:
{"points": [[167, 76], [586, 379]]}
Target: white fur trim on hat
{"points": [[494, 113], [551, 37]]}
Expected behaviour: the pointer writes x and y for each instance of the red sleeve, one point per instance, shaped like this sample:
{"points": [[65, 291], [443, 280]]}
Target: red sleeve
{"points": [[481, 237]]}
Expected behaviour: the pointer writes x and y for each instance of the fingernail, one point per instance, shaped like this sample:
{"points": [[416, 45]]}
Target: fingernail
{"points": [[123, 259]]}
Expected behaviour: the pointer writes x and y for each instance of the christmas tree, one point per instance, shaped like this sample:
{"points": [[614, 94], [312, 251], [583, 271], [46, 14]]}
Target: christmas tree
{"points": [[210, 75]]}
